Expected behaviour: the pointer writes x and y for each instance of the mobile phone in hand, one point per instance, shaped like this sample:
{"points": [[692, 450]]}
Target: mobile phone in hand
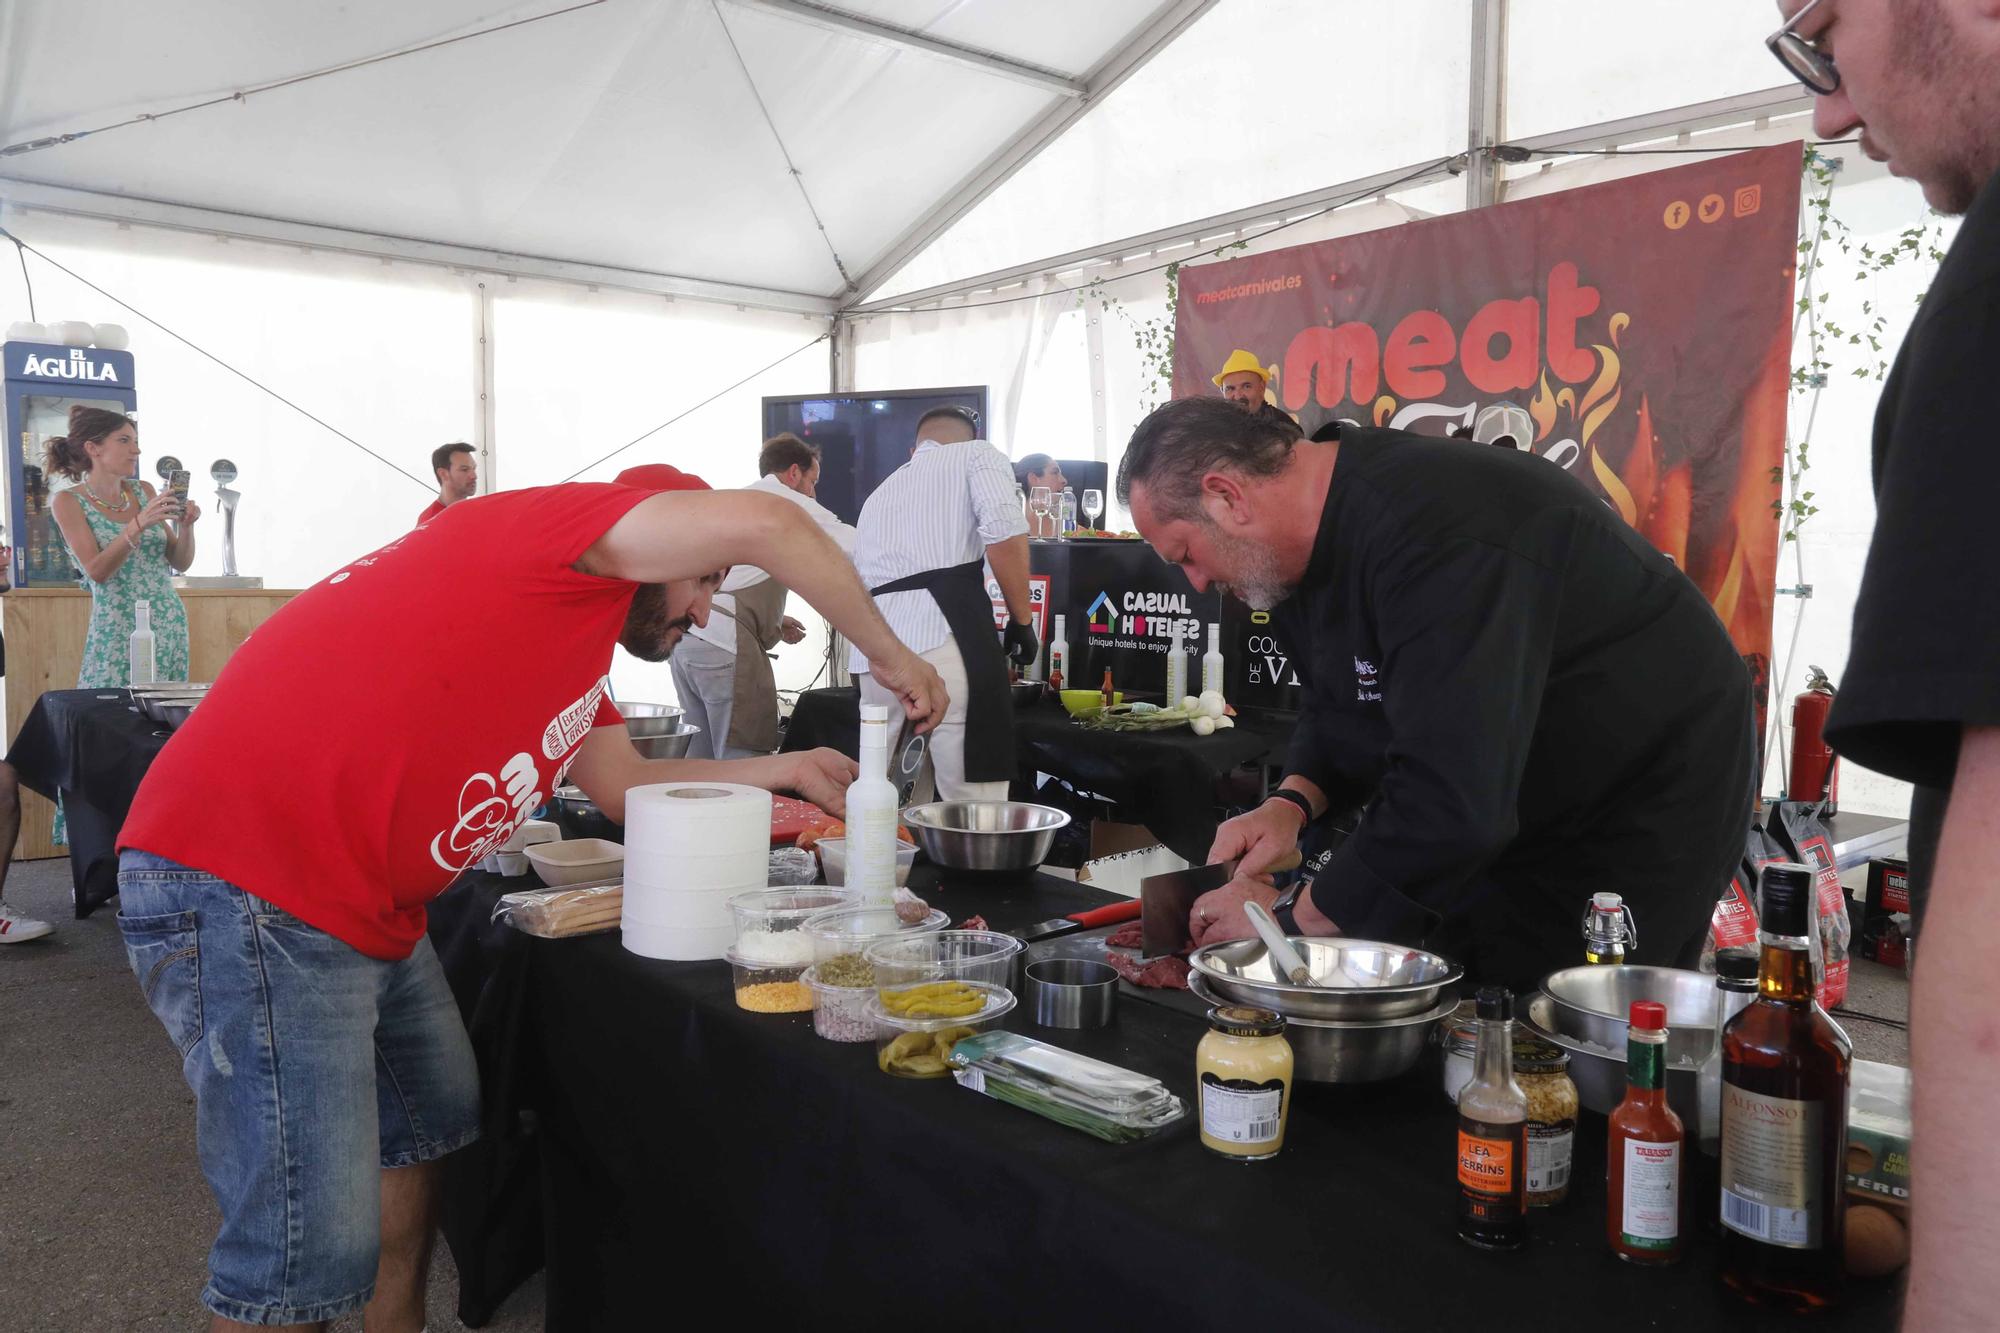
{"points": [[177, 483]]}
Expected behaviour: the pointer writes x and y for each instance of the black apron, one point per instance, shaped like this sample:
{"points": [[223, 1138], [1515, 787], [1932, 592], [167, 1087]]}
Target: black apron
{"points": [[960, 593]]}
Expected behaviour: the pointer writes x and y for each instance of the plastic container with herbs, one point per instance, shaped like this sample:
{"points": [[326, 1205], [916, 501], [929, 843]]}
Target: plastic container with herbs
{"points": [[1542, 1069]]}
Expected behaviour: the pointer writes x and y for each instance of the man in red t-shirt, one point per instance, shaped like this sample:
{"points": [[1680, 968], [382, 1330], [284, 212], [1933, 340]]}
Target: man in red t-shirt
{"points": [[364, 746], [457, 477]]}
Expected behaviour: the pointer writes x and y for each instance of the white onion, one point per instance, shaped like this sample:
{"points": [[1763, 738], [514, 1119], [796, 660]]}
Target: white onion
{"points": [[1202, 726], [1212, 703]]}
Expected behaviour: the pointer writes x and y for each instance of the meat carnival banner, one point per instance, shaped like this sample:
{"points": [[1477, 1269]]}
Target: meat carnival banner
{"points": [[1644, 324]]}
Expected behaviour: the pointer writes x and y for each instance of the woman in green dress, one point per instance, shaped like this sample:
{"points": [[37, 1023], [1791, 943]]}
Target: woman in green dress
{"points": [[129, 543]]}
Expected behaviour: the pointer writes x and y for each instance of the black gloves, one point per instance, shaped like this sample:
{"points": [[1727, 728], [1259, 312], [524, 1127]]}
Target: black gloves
{"points": [[1022, 645]]}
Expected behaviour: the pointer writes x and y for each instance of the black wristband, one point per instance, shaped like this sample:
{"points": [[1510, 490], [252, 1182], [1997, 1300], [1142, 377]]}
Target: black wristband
{"points": [[1296, 798], [1282, 911]]}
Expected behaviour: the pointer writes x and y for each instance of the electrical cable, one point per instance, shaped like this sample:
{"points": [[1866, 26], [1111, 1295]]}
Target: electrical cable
{"points": [[21, 253], [697, 407], [194, 346], [57, 140]]}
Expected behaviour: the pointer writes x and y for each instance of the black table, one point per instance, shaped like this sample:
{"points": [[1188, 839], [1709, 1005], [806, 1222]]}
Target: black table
{"points": [[91, 749], [697, 1151], [1163, 780]]}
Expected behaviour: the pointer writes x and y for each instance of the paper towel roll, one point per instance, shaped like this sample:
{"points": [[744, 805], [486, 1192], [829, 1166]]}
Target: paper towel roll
{"points": [[688, 847]]}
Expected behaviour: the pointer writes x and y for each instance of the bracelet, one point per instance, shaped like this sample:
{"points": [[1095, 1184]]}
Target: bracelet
{"points": [[131, 541], [1295, 798]]}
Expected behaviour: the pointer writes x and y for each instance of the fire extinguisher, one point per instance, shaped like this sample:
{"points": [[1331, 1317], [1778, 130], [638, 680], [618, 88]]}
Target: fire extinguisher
{"points": [[1815, 768]]}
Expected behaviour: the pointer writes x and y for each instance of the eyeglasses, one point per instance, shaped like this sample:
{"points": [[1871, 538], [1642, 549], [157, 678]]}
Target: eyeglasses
{"points": [[1803, 57]]}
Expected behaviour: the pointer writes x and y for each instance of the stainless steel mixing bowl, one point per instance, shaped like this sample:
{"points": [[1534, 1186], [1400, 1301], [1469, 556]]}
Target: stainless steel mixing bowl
{"points": [[1594, 1004], [1324, 1051], [985, 835], [1598, 1070], [669, 744], [665, 724], [1358, 979]]}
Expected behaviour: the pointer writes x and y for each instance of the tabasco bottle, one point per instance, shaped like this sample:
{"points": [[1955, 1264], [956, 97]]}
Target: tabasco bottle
{"points": [[1110, 695], [1647, 1150], [1785, 1068], [1493, 1133]]}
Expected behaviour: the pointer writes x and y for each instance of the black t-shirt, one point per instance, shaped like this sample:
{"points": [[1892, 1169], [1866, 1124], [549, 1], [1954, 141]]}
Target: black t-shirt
{"points": [[1537, 705], [1925, 661]]}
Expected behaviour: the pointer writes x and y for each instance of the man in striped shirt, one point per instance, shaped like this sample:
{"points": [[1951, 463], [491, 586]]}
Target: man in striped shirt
{"points": [[920, 546]]}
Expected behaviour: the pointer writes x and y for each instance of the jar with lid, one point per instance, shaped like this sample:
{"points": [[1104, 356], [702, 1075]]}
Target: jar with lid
{"points": [[1243, 1071], [1542, 1069]]}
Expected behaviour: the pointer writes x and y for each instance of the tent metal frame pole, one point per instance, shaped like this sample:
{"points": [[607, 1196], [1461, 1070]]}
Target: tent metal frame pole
{"points": [[986, 62], [1152, 37], [840, 355], [1741, 109], [214, 222], [482, 405], [1486, 98]]}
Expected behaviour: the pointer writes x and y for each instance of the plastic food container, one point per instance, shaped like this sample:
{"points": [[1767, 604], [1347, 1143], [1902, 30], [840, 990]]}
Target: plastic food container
{"points": [[983, 956], [770, 923], [841, 1013], [577, 861], [764, 988], [850, 930], [921, 1047], [833, 859]]}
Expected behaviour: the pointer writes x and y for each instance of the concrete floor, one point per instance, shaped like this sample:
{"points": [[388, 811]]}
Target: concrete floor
{"points": [[105, 1221]]}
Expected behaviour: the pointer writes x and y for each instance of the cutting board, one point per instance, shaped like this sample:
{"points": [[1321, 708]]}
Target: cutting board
{"points": [[791, 817], [1089, 944]]}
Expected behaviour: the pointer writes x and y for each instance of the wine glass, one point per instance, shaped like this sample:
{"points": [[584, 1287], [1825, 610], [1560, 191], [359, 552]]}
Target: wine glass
{"points": [[1038, 505], [1093, 505]]}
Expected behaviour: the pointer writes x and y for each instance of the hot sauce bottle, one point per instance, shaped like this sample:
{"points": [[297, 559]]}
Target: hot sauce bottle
{"points": [[1493, 1133], [1785, 1069], [1647, 1155]]}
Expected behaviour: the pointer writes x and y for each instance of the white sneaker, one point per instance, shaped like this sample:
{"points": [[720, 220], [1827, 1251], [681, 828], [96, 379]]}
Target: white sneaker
{"points": [[16, 929]]}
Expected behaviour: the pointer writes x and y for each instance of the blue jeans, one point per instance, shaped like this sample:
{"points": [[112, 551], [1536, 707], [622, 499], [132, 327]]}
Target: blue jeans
{"points": [[313, 1067]]}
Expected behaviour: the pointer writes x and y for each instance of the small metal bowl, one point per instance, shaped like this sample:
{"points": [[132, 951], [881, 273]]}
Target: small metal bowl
{"points": [[985, 835], [1071, 992], [155, 706], [1370, 980], [670, 745], [173, 712], [1325, 1051], [1594, 1004]]}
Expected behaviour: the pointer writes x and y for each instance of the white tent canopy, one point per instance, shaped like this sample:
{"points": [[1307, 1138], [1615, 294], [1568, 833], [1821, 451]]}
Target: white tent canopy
{"points": [[559, 228]]}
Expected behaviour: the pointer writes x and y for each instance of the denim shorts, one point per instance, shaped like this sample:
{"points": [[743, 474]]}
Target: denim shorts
{"points": [[313, 1065]]}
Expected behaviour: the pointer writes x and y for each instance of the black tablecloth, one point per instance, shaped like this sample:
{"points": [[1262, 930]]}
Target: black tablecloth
{"points": [[1163, 780], [697, 1151], [92, 748]]}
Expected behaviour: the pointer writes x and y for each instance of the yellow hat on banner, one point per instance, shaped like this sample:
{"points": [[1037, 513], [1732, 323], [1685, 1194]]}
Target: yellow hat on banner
{"points": [[1240, 360]]}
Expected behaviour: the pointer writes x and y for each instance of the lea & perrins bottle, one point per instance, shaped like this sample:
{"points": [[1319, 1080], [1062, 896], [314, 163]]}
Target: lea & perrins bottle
{"points": [[1785, 1070], [1645, 1181], [1493, 1133]]}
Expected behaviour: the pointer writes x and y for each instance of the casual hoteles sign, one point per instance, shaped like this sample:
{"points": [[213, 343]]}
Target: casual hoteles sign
{"points": [[1644, 324]]}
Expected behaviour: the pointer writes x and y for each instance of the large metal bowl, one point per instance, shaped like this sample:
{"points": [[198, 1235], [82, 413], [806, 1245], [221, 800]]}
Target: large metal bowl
{"points": [[1598, 1070], [1594, 1004], [1325, 1051], [667, 745], [1359, 979], [985, 835], [666, 724], [630, 710], [173, 712]]}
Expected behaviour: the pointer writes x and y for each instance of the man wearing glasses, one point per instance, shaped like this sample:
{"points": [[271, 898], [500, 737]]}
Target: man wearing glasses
{"points": [[1920, 81]]}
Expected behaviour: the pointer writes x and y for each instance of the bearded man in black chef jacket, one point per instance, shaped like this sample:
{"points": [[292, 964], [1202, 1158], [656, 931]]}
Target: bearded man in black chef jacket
{"points": [[1532, 703]]}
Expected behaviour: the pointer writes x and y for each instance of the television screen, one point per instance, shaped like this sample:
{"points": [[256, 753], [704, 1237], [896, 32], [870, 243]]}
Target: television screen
{"points": [[862, 437]]}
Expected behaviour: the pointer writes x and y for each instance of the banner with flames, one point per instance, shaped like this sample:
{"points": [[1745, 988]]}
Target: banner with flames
{"points": [[1644, 324]]}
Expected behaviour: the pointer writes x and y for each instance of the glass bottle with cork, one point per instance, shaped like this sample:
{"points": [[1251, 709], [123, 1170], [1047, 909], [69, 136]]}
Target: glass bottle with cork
{"points": [[1608, 929], [1646, 1150], [1785, 1071], [1493, 1133]]}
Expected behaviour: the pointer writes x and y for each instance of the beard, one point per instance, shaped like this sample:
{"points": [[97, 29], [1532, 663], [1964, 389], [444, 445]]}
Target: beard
{"points": [[648, 634], [1925, 52], [1258, 584]]}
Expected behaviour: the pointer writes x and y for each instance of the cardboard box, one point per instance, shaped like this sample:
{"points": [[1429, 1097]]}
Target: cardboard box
{"points": [[1878, 1136]]}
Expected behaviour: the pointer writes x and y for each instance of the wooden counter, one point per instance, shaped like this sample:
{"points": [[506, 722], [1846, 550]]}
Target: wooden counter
{"points": [[45, 629]]}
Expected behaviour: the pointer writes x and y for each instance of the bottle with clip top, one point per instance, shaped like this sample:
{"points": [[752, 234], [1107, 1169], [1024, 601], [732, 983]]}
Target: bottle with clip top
{"points": [[1493, 1134], [1608, 929]]}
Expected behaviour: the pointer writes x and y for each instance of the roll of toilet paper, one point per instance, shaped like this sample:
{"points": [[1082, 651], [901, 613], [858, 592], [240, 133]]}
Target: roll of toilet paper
{"points": [[688, 847], [677, 943]]}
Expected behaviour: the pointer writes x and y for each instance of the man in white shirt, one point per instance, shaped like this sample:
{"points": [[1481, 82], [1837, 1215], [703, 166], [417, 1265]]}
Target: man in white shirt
{"points": [[921, 545], [721, 671]]}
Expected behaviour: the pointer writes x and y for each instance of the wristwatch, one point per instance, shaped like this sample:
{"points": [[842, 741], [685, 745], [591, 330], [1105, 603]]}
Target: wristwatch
{"points": [[1296, 798], [1282, 908]]}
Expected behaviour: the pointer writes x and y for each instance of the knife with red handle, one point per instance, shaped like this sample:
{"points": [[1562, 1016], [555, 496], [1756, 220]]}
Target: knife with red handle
{"points": [[1109, 915]]}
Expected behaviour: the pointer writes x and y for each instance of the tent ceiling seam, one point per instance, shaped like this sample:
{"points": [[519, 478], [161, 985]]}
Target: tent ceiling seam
{"points": [[798, 177]]}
